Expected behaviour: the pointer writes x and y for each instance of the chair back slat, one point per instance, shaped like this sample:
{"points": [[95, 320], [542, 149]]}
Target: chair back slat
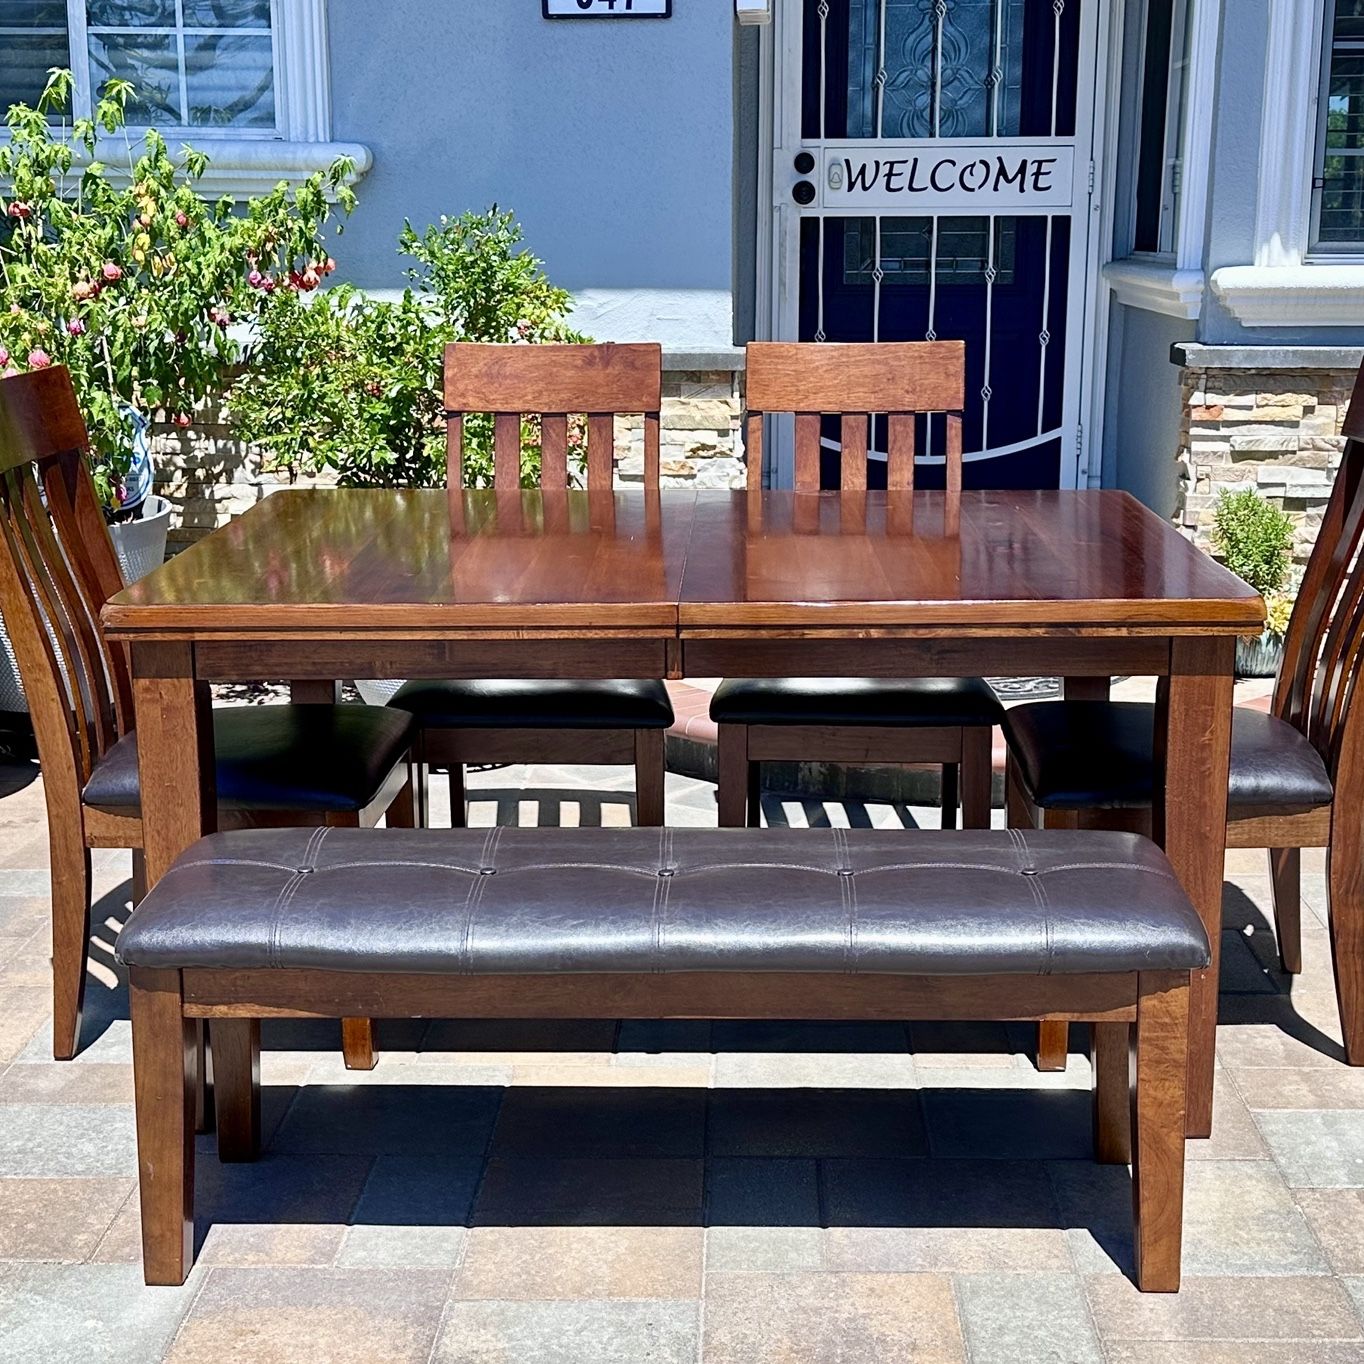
{"points": [[1324, 647], [554, 383], [57, 569], [857, 382]]}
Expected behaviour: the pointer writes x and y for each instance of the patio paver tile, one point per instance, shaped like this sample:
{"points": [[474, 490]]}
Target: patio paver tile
{"points": [[1336, 1217], [1269, 1088], [1233, 1352], [358, 1316], [568, 1333], [413, 1211], [57, 1219], [949, 1249], [1009, 1124], [45, 1309], [1239, 1218], [570, 1122], [627, 1191], [813, 1122], [53, 1141], [851, 1318], [522, 1264], [1316, 1150], [59, 1082], [1213, 1308], [762, 1191], [764, 1250], [1234, 1133], [1026, 1319]]}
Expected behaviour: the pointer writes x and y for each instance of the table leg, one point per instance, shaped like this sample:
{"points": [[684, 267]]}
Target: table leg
{"points": [[314, 693], [174, 753], [1189, 820]]}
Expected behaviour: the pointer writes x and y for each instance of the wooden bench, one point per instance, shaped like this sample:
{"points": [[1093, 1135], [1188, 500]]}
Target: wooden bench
{"points": [[646, 923]]}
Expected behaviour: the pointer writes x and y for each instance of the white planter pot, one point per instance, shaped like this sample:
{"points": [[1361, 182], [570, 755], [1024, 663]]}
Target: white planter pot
{"points": [[141, 544], [376, 693]]}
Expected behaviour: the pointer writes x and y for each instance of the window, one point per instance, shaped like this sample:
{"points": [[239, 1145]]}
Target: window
{"points": [[1162, 106], [1338, 187], [192, 63]]}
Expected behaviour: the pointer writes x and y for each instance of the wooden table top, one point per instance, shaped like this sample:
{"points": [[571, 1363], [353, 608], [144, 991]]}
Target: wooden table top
{"points": [[336, 561]]}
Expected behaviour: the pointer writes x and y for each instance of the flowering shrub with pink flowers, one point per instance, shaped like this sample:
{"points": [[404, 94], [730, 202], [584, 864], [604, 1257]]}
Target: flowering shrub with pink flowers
{"points": [[352, 384], [132, 278]]}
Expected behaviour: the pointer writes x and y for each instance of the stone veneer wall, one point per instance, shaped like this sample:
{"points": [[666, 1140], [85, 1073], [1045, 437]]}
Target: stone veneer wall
{"points": [[1275, 430], [209, 476]]}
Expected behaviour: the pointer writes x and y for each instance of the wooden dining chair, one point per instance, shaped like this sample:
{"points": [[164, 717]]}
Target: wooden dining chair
{"points": [[947, 721], [1297, 773], [505, 720], [276, 765]]}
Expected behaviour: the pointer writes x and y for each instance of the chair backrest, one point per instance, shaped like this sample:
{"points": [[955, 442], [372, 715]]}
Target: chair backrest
{"points": [[1324, 647], [57, 569], [554, 383], [899, 380]]}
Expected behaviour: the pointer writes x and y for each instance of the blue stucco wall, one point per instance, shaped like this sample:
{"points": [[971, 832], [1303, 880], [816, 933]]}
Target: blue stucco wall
{"points": [[612, 140]]}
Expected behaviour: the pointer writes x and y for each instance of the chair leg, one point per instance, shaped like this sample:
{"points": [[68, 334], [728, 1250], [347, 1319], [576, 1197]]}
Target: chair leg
{"points": [[1345, 887], [70, 945], [1159, 1097], [977, 776], [402, 809], [948, 799], [236, 1087], [139, 886], [731, 758], [1017, 808], [163, 1077], [755, 795], [650, 777], [459, 815], [357, 1034], [1285, 872], [1109, 1046], [357, 1043]]}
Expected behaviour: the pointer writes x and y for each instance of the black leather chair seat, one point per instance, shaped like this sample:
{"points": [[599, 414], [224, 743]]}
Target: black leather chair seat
{"points": [[1100, 754], [503, 703], [304, 757], [511, 901], [919, 701]]}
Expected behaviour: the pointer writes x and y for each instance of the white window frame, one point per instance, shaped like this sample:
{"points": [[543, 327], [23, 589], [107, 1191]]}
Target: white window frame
{"points": [[253, 160], [1334, 251], [1172, 282], [1288, 284]]}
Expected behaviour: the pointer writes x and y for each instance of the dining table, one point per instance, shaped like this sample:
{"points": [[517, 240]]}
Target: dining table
{"points": [[314, 585]]}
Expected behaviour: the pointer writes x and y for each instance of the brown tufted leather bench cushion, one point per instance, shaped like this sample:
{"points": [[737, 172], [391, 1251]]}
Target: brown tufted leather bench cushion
{"points": [[648, 923], [531, 901]]}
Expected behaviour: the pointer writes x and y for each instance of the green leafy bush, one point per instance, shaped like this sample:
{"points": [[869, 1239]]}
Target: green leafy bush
{"points": [[131, 277], [1255, 540], [353, 385]]}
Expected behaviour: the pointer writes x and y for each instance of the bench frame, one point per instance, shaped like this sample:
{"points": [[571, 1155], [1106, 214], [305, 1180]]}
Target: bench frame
{"points": [[1140, 1031]]}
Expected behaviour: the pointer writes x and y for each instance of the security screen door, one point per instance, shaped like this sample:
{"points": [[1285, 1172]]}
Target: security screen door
{"points": [[933, 180]]}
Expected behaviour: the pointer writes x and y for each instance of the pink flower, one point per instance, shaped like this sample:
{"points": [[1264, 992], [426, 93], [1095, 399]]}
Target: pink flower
{"points": [[20, 210], [39, 359], [8, 372], [268, 284], [255, 279], [309, 280], [182, 420], [220, 316], [4, 357], [76, 327], [111, 271], [328, 265], [182, 220], [82, 289]]}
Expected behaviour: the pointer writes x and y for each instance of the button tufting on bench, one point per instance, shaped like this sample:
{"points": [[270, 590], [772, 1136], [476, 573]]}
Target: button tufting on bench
{"points": [[575, 900]]}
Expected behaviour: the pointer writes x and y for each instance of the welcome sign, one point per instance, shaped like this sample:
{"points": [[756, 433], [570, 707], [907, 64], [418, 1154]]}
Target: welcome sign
{"points": [[986, 176]]}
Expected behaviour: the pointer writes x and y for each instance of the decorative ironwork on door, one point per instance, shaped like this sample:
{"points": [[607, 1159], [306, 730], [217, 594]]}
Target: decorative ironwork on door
{"points": [[939, 188]]}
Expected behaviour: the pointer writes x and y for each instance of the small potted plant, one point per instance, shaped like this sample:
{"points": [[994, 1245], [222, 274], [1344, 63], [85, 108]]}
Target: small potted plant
{"points": [[1254, 539]]}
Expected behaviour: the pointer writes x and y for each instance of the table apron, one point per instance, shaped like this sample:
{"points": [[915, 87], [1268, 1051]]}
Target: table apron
{"points": [[965, 656]]}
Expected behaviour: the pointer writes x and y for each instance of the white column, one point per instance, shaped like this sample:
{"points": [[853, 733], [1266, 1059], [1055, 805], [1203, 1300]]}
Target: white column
{"points": [[304, 70]]}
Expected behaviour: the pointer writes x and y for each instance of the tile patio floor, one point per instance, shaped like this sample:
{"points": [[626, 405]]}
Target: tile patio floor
{"points": [[611, 1194]]}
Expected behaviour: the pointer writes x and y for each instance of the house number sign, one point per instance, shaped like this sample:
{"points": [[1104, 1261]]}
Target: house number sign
{"points": [[608, 9]]}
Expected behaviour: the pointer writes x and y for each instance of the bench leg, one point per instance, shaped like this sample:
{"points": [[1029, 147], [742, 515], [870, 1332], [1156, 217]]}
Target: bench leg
{"points": [[947, 798], [236, 1087], [459, 812], [163, 1077], [357, 1043], [1160, 1062], [1109, 1047], [650, 777]]}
